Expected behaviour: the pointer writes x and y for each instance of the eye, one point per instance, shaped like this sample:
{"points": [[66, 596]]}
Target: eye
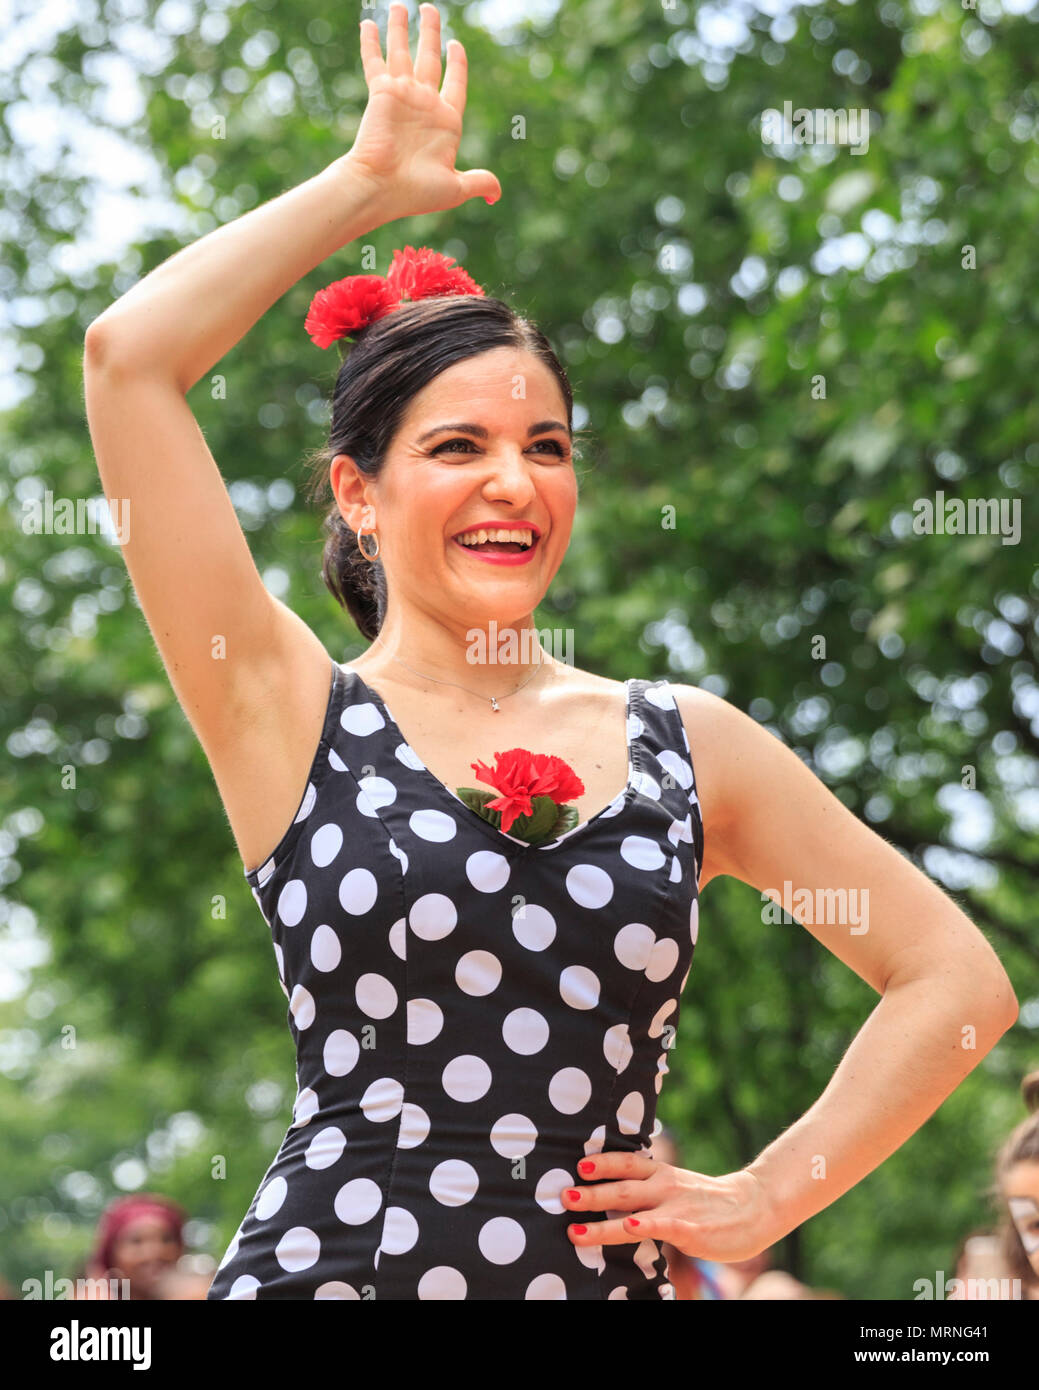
{"points": [[452, 445]]}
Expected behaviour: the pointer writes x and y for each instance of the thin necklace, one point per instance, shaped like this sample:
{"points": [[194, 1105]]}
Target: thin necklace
{"points": [[494, 699]]}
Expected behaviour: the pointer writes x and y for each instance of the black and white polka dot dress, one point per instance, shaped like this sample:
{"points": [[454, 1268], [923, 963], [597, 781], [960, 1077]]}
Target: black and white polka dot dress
{"points": [[472, 1016]]}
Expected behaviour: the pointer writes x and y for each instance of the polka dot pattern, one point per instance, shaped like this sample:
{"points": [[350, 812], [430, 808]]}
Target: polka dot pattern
{"points": [[471, 1015]]}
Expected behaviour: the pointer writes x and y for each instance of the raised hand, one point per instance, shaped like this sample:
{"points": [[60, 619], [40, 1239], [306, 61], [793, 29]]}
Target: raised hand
{"points": [[408, 138]]}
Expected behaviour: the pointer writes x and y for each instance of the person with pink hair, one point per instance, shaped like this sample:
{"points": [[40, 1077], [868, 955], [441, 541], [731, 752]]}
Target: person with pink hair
{"points": [[137, 1245]]}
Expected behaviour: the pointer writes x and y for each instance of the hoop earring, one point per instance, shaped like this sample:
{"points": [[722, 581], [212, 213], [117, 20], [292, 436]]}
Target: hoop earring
{"points": [[360, 541]]}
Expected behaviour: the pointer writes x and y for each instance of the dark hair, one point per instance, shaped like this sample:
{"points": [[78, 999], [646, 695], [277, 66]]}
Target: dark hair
{"points": [[389, 363], [1022, 1146]]}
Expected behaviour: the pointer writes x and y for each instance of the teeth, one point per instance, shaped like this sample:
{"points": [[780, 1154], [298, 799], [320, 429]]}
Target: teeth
{"points": [[500, 534]]}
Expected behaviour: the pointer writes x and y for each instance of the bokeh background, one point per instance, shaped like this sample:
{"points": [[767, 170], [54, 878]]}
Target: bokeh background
{"points": [[699, 285]]}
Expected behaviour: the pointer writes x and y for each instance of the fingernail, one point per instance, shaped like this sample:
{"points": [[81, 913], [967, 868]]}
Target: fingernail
{"points": [[579, 1230], [632, 1221], [586, 1166], [573, 1195]]}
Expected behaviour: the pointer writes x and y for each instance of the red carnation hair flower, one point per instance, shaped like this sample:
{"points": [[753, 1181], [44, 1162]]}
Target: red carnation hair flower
{"points": [[346, 306], [424, 273]]}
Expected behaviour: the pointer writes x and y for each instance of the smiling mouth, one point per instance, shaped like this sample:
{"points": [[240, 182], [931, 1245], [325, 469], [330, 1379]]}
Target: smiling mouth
{"points": [[498, 547]]}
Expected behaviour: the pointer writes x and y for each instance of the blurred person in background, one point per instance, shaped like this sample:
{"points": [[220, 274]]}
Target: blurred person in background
{"points": [[140, 1239], [1016, 1189], [756, 1279], [980, 1257]]}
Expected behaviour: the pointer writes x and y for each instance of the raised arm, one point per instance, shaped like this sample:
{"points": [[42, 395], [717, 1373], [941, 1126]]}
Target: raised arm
{"points": [[224, 639], [216, 625]]}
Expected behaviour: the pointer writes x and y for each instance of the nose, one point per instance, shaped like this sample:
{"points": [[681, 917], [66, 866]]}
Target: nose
{"points": [[510, 477]]}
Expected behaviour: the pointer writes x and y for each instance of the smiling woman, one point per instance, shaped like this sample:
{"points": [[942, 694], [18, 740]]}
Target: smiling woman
{"points": [[400, 369], [482, 1025]]}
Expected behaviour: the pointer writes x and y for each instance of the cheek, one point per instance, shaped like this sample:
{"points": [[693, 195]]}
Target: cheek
{"points": [[426, 517], [563, 487], [1023, 1213], [559, 498]]}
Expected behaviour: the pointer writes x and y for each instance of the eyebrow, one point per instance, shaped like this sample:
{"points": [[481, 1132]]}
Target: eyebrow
{"points": [[540, 428]]}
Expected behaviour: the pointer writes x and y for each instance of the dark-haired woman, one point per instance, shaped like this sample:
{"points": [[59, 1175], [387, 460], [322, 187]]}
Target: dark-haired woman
{"points": [[482, 1022]]}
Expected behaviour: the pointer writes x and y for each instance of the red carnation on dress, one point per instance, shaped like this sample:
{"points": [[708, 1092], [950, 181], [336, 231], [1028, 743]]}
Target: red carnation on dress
{"points": [[520, 775], [345, 306]]}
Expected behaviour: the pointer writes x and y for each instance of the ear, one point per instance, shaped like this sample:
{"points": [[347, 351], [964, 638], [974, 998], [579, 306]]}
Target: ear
{"points": [[351, 489]]}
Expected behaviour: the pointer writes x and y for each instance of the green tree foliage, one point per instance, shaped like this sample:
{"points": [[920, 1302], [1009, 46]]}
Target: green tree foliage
{"points": [[776, 350]]}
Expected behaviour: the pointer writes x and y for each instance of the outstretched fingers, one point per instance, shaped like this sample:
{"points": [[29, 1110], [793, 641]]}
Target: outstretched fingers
{"points": [[371, 53], [427, 59], [398, 56], [455, 77]]}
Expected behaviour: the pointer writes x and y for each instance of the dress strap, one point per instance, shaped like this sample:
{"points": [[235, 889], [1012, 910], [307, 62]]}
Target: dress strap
{"points": [[666, 758]]}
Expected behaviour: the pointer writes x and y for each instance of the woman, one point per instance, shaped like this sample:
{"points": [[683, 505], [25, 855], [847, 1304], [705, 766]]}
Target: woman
{"points": [[1016, 1191], [138, 1243], [482, 1022]]}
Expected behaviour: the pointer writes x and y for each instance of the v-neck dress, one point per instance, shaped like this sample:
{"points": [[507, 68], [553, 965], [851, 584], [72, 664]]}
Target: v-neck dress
{"points": [[472, 1015]]}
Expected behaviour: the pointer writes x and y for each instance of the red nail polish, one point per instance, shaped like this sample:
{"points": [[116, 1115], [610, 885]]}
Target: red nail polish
{"points": [[632, 1221], [579, 1230], [586, 1166], [573, 1194]]}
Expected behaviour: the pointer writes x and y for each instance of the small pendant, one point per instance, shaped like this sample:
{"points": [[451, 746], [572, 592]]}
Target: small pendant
{"points": [[494, 704]]}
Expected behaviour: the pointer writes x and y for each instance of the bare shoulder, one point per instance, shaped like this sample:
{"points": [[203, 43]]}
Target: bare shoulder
{"points": [[580, 692], [717, 732], [723, 743], [576, 678]]}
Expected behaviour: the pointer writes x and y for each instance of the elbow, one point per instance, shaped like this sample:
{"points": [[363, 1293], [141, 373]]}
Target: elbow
{"points": [[99, 346], [95, 343], [985, 999], [1009, 999], [997, 997], [111, 355]]}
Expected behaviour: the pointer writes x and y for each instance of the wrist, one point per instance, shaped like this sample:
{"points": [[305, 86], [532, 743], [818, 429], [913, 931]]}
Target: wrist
{"points": [[368, 192], [768, 1205]]}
